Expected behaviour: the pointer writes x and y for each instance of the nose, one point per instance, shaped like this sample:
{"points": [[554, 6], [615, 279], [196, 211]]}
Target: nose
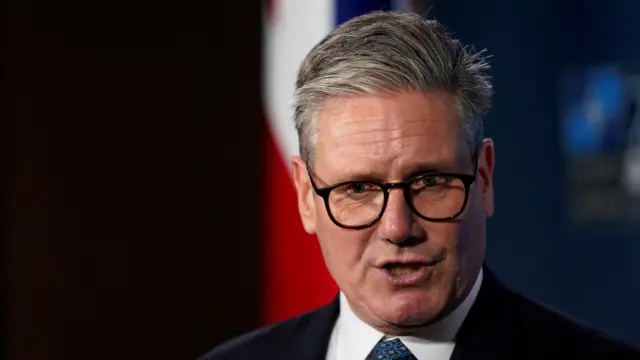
{"points": [[398, 223]]}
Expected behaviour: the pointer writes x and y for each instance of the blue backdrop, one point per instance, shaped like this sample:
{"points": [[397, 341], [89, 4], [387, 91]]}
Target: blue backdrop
{"points": [[589, 271]]}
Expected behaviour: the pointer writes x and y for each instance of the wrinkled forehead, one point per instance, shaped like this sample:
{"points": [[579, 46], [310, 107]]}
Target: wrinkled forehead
{"points": [[389, 132]]}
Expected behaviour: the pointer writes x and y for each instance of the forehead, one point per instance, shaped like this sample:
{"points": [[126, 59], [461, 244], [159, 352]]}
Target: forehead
{"points": [[388, 134]]}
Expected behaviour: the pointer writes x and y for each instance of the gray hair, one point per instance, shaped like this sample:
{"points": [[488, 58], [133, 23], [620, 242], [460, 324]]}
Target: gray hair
{"points": [[390, 51]]}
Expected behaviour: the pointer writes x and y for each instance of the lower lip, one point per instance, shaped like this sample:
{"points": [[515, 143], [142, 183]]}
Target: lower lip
{"points": [[407, 279]]}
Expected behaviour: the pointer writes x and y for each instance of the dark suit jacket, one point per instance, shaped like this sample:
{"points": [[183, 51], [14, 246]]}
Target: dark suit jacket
{"points": [[500, 325]]}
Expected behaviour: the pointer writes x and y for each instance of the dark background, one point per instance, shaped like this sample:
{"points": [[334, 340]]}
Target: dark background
{"points": [[133, 141]]}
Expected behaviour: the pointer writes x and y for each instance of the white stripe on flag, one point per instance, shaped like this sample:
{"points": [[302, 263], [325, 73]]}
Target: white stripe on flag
{"points": [[293, 28]]}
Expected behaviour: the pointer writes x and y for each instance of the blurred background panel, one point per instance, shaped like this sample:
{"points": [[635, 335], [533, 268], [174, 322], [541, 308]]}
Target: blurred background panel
{"points": [[565, 123], [151, 212]]}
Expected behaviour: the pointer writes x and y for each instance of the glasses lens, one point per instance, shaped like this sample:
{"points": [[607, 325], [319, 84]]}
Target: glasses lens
{"points": [[356, 204], [438, 196]]}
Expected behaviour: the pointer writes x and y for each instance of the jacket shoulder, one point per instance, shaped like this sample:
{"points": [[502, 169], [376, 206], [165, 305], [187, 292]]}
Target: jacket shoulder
{"points": [[555, 334], [250, 344], [277, 339]]}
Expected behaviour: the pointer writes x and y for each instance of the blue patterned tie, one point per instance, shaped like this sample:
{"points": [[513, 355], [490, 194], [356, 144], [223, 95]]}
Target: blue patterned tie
{"points": [[390, 349]]}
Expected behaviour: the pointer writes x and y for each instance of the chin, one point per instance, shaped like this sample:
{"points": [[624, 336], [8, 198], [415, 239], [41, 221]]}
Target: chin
{"points": [[409, 307]]}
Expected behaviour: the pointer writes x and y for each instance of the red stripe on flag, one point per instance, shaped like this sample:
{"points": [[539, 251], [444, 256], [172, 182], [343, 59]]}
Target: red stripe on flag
{"points": [[296, 279], [270, 7]]}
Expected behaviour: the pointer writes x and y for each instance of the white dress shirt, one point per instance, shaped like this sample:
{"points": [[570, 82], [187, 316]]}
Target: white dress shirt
{"points": [[353, 339]]}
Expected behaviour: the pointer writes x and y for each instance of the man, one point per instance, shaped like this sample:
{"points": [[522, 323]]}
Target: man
{"points": [[395, 179]]}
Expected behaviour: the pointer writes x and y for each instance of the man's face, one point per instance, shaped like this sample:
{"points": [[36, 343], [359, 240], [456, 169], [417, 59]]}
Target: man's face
{"points": [[389, 138]]}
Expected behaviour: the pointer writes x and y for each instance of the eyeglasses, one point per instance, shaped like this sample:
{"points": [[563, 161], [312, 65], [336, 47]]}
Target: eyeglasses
{"points": [[431, 196]]}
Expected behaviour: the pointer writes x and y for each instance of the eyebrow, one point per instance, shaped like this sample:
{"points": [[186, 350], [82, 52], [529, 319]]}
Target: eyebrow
{"points": [[420, 169], [410, 173]]}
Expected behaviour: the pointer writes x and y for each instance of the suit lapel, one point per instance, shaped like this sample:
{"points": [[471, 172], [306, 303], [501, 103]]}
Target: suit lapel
{"points": [[488, 331], [311, 338]]}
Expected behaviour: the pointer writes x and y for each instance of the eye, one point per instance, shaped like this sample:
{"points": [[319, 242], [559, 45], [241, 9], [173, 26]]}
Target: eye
{"points": [[428, 181], [357, 188]]}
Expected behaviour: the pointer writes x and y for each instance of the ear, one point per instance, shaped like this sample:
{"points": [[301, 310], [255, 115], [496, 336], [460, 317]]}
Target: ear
{"points": [[306, 194], [486, 164]]}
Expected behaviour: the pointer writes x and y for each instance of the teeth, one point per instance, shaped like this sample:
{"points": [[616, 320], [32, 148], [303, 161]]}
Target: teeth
{"points": [[403, 269]]}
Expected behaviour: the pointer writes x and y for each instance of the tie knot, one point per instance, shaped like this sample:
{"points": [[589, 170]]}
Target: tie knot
{"points": [[391, 349]]}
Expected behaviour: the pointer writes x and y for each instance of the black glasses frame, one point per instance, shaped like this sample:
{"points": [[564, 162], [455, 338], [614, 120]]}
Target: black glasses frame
{"points": [[324, 193]]}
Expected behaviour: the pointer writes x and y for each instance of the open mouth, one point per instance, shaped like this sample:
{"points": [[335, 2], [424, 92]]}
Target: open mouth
{"points": [[403, 268]]}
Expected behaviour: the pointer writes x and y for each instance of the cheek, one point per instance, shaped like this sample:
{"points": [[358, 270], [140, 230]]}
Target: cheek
{"points": [[472, 228], [450, 237], [444, 235], [466, 238], [343, 250]]}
